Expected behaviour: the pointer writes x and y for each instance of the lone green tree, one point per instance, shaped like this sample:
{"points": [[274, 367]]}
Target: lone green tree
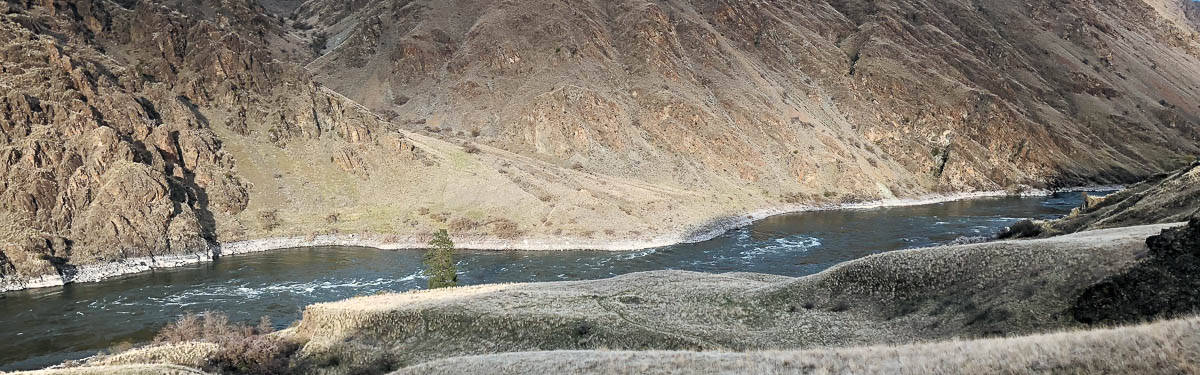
{"points": [[439, 261]]}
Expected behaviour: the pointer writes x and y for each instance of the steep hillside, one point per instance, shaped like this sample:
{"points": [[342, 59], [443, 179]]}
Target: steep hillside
{"points": [[1164, 198], [107, 118], [815, 100], [135, 129]]}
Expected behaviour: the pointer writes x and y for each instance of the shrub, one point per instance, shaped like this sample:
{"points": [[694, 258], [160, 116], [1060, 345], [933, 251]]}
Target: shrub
{"points": [[463, 224], [470, 148], [244, 349], [318, 42], [269, 219], [506, 229]]}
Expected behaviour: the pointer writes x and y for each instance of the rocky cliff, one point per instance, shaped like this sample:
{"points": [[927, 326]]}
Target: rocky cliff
{"points": [[107, 121], [812, 99], [143, 128]]}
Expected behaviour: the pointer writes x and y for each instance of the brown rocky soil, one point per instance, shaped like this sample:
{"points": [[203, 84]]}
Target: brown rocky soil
{"points": [[137, 128]]}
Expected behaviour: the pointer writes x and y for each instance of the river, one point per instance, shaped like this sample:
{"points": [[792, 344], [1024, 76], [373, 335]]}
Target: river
{"points": [[46, 326]]}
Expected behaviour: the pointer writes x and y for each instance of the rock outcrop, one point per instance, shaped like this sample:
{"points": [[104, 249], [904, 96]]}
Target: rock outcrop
{"points": [[1165, 284], [1163, 198], [109, 151]]}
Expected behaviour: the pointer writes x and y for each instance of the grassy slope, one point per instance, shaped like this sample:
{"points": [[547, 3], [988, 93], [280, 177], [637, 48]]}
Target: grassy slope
{"points": [[1120, 350], [1169, 197], [1001, 288]]}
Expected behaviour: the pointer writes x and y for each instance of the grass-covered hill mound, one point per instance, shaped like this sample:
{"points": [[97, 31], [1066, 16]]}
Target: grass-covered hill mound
{"points": [[968, 291]]}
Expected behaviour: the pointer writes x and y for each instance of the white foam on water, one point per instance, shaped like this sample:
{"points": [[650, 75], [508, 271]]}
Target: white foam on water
{"points": [[638, 254], [780, 245]]}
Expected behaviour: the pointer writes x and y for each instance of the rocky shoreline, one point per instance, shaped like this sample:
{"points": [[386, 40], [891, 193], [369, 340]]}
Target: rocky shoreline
{"points": [[101, 272]]}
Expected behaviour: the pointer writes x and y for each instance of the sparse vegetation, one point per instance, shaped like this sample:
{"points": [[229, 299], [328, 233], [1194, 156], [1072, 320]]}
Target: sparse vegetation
{"points": [[318, 42], [470, 148], [439, 261], [244, 349], [269, 219], [914, 296], [506, 229], [463, 224], [401, 100]]}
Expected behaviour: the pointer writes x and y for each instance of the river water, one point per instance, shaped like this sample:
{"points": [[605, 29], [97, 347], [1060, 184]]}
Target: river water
{"points": [[46, 326]]}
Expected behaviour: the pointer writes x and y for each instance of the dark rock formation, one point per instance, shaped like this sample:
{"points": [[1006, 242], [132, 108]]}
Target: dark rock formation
{"points": [[1166, 283]]}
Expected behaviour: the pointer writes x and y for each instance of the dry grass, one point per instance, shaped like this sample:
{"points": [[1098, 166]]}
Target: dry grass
{"points": [[138, 369], [189, 354], [1171, 347], [1170, 197]]}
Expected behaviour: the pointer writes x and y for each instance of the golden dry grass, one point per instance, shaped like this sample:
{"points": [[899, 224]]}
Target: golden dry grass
{"points": [[138, 369], [1169, 347]]}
